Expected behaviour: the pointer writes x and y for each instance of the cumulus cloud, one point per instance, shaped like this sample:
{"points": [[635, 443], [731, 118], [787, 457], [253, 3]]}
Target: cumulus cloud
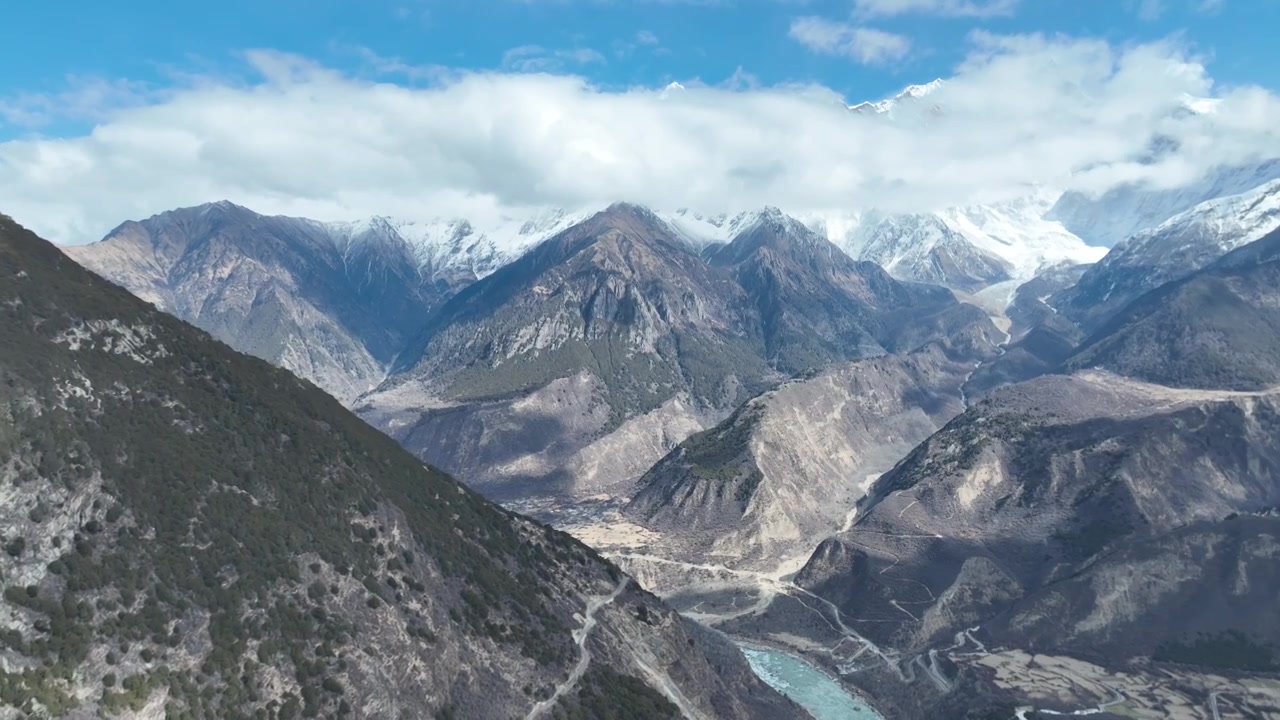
{"points": [[301, 138], [866, 45]]}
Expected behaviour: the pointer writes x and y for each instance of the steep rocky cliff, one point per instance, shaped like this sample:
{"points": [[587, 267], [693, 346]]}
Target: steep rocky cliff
{"points": [[1043, 487], [786, 469]]}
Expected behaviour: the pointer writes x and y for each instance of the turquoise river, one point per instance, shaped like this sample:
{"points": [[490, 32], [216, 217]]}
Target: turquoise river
{"points": [[811, 688]]}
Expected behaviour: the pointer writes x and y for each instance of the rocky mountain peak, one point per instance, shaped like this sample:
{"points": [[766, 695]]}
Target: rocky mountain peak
{"points": [[625, 207], [221, 212], [620, 228], [222, 206], [772, 231]]}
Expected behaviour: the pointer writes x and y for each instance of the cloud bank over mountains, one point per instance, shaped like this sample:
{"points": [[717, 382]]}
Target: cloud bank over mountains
{"points": [[301, 138]]}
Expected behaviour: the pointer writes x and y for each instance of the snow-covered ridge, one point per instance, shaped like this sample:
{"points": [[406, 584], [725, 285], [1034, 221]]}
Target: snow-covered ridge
{"points": [[1192, 103], [919, 91], [1018, 233], [986, 243], [1127, 210], [1218, 226], [1185, 243], [476, 247], [701, 230], [910, 92], [1015, 234]]}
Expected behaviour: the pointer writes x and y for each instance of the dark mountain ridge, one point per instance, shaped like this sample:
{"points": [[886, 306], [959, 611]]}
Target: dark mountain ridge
{"points": [[333, 308], [817, 305], [619, 288]]}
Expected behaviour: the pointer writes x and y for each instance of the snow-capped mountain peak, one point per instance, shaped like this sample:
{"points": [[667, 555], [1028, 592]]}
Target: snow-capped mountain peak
{"points": [[919, 91], [365, 229], [454, 245], [784, 224], [964, 247], [887, 105]]}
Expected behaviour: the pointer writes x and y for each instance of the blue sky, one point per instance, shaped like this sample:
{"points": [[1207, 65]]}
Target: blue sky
{"points": [[615, 44], [340, 109]]}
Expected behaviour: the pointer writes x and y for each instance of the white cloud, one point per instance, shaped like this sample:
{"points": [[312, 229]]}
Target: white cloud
{"points": [[866, 45], [308, 140], [86, 98], [383, 65], [1149, 10], [535, 58], [944, 8]]}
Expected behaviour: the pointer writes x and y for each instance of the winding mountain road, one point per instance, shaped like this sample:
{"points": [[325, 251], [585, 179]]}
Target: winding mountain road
{"points": [[580, 636], [771, 587]]}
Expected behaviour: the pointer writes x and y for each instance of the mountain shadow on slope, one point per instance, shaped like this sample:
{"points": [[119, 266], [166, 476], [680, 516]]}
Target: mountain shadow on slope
{"points": [[817, 305]]}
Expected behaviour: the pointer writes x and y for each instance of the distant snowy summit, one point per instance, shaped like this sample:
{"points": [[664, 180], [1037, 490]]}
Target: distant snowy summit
{"points": [[911, 95], [467, 246], [908, 94], [965, 248]]}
